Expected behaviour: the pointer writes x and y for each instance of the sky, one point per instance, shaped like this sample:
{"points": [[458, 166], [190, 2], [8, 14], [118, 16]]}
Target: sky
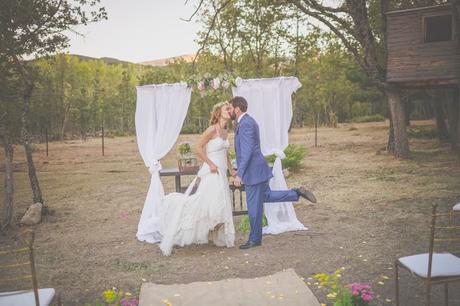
{"points": [[139, 30]]}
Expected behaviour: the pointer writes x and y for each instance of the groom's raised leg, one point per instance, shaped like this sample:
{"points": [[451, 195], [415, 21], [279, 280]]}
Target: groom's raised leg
{"points": [[290, 195]]}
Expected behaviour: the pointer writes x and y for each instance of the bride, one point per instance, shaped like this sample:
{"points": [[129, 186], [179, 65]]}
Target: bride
{"points": [[207, 214]]}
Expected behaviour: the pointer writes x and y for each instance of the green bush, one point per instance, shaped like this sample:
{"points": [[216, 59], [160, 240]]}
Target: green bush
{"points": [[190, 130], [360, 109], [294, 155], [244, 226], [422, 132], [371, 118]]}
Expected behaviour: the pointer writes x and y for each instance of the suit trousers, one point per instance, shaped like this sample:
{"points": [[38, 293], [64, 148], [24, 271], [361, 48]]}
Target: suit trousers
{"points": [[256, 196]]}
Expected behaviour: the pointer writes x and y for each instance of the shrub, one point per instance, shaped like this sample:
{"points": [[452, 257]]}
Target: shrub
{"points": [[360, 109], [190, 130], [115, 297], [422, 132], [333, 119], [294, 155], [244, 226], [371, 118], [350, 295]]}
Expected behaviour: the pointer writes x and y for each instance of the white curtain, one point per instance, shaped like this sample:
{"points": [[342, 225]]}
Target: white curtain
{"points": [[160, 113], [270, 104]]}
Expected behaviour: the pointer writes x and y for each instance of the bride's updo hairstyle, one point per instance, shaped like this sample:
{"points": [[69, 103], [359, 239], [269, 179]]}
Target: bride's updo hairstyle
{"points": [[216, 112]]}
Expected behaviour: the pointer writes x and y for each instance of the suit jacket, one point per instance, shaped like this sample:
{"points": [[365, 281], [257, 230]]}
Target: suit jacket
{"points": [[252, 166]]}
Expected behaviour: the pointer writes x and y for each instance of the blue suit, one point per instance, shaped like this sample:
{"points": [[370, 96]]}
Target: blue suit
{"points": [[255, 174]]}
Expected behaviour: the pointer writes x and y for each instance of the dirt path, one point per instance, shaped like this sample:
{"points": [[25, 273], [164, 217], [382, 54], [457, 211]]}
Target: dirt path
{"points": [[372, 208]]}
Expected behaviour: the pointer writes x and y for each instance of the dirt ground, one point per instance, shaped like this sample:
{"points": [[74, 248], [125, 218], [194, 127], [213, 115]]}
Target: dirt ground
{"points": [[371, 209]]}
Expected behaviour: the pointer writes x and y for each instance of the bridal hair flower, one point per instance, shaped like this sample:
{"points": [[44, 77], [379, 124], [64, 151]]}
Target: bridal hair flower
{"points": [[218, 105]]}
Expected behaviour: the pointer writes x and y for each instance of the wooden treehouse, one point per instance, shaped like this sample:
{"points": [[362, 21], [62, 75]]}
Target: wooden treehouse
{"points": [[423, 47]]}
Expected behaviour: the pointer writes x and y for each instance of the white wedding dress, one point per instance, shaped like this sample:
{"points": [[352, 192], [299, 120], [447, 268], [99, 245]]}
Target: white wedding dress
{"points": [[206, 214]]}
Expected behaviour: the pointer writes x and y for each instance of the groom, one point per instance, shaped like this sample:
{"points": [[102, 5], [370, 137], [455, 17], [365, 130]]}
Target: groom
{"points": [[255, 173]]}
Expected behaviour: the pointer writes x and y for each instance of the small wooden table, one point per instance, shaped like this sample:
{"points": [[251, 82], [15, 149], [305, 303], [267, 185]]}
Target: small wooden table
{"points": [[177, 175]]}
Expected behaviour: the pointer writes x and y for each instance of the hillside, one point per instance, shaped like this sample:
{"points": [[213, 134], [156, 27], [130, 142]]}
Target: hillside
{"points": [[165, 61]]}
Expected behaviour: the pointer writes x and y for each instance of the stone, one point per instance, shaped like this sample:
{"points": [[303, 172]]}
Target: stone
{"points": [[33, 215], [286, 172]]}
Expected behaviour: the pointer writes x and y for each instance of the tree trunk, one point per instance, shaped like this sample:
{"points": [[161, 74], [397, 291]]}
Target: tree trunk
{"points": [[408, 109], [457, 98], [453, 119], [398, 120], [391, 137], [436, 103], [7, 211], [37, 194]]}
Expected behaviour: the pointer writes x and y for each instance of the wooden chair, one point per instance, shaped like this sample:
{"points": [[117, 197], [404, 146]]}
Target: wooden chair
{"points": [[14, 263], [438, 266]]}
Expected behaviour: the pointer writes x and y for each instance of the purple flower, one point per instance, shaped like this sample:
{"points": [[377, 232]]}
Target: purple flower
{"points": [[129, 302]]}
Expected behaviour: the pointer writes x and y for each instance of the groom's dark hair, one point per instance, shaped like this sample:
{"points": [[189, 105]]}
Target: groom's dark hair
{"points": [[240, 102]]}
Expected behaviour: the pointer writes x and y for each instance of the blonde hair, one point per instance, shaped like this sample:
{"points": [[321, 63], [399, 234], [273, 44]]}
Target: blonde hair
{"points": [[216, 112]]}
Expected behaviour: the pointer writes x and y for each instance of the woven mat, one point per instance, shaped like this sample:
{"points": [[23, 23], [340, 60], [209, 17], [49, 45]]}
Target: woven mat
{"points": [[282, 288]]}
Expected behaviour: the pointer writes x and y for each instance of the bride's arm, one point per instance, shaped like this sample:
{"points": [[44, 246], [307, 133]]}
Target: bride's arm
{"points": [[230, 166], [204, 139]]}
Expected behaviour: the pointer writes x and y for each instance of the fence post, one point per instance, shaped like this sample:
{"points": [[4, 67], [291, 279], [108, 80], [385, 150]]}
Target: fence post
{"points": [[46, 140], [102, 139], [316, 129]]}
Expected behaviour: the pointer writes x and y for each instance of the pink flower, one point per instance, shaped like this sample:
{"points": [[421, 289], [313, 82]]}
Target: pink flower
{"points": [[366, 297], [200, 85], [215, 83], [225, 84]]}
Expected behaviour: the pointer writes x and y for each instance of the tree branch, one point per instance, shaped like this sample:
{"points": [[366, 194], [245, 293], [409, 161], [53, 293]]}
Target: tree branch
{"points": [[324, 8], [334, 29], [194, 13], [27, 37], [211, 27]]}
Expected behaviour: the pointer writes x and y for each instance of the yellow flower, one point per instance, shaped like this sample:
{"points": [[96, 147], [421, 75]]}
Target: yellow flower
{"points": [[332, 295], [109, 296]]}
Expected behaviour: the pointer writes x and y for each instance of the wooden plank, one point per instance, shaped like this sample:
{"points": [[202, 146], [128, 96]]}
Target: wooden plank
{"points": [[439, 7]]}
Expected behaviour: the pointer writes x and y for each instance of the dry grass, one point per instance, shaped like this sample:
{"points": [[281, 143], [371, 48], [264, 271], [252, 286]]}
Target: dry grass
{"points": [[372, 208]]}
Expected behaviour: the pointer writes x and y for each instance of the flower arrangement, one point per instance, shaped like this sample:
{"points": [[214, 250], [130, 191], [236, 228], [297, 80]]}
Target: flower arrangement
{"points": [[115, 297], [187, 163], [352, 295], [185, 149], [208, 83]]}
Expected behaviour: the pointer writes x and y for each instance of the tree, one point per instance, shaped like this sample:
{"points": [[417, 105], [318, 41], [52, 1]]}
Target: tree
{"points": [[7, 102], [36, 28], [351, 23]]}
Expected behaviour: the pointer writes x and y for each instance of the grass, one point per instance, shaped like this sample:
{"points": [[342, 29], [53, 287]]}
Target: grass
{"points": [[370, 118]]}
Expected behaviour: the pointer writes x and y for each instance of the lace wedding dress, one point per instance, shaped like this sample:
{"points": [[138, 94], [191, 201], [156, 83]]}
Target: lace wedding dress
{"points": [[206, 214]]}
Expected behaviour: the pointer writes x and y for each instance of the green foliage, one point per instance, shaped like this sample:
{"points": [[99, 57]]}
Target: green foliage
{"points": [[244, 225], [340, 295], [75, 96], [371, 118], [190, 130], [184, 148], [294, 156], [115, 297], [422, 132]]}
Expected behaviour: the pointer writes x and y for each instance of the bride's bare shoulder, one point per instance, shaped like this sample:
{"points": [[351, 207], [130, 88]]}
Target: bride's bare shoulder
{"points": [[210, 132]]}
